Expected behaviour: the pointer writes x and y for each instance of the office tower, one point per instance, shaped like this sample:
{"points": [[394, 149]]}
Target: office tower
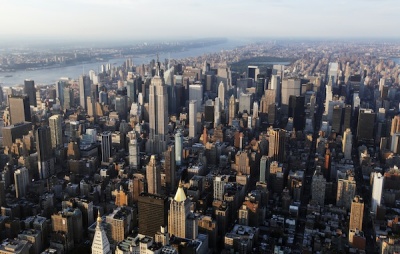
{"points": [[169, 167], [106, 143], [30, 91], [356, 213], [196, 93], [275, 179], [267, 99], [318, 187], [346, 190], [68, 101], [245, 102], [337, 114], [365, 126], [217, 112], [60, 89], [153, 176], [20, 110], [180, 223], [178, 147], [21, 181], [252, 72], [134, 150], [395, 128], [232, 109], [328, 96], [158, 115], [84, 90], [153, 213], [2, 193], [395, 143], [121, 106], [255, 110], [347, 111], [264, 168], [277, 144], [221, 94], [297, 111], [63, 223], [56, 131], [192, 118], [120, 222], [219, 183], [290, 86], [347, 144], [277, 87], [45, 153], [103, 97], [377, 187], [100, 244]]}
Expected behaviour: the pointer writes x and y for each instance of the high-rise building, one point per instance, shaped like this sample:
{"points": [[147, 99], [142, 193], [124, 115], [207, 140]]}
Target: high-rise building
{"points": [[192, 118], [356, 213], [252, 72], [217, 112], [264, 168], [100, 244], [20, 110], [45, 153], [221, 94], [30, 91], [377, 188], [56, 131], [158, 115], [169, 167], [296, 110], [21, 181], [267, 99], [196, 93], [178, 147], [346, 191], [245, 102], [106, 143], [395, 128], [337, 116], [365, 126], [180, 223], [134, 150], [68, 101], [232, 109], [277, 144], [347, 144], [318, 187], [84, 90], [153, 176], [153, 213], [290, 86]]}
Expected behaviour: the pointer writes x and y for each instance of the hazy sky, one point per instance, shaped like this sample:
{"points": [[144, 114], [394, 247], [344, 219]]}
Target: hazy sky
{"points": [[170, 19]]}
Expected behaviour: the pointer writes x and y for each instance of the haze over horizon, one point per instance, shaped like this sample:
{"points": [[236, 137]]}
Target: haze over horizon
{"points": [[97, 20]]}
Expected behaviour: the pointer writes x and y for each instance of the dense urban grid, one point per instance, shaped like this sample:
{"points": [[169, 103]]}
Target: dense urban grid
{"points": [[229, 152]]}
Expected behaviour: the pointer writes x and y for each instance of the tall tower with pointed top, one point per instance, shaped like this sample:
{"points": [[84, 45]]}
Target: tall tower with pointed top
{"points": [[180, 221], [100, 244], [232, 109], [158, 115]]}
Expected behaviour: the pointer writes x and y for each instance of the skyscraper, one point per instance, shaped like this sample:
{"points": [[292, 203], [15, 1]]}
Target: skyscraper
{"points": [[153, 213], [377, 189], [20, 110], [365, 126], [153, 176], [45, 154], [178, 147], [192, 118], [106, 143], [217, 112], [169, 167], [84, 90], [21, 181], [346, 190], [134, 150], [347, 144], [60, 88], [100, 244], [180, 224], [318, 186], [356, 213], [158, 115], [264, 168], [277, 144], [30, 91], [221, 94], [56, 131], [232, 109], [252, 72], [196, 93]]}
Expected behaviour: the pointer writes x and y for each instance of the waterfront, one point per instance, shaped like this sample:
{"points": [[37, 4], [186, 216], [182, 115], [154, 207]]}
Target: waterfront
{"points": [[51, 75]]}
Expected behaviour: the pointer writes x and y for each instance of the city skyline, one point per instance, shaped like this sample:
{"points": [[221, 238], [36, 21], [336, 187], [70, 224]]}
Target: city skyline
{"points": [[118, 20]]}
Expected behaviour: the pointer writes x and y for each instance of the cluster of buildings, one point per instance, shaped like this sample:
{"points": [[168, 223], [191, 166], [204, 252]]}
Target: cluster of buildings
{"points": [[177, 158]]}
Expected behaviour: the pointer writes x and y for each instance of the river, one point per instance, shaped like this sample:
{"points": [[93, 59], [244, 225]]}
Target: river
{"points": [[51, 75]]}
